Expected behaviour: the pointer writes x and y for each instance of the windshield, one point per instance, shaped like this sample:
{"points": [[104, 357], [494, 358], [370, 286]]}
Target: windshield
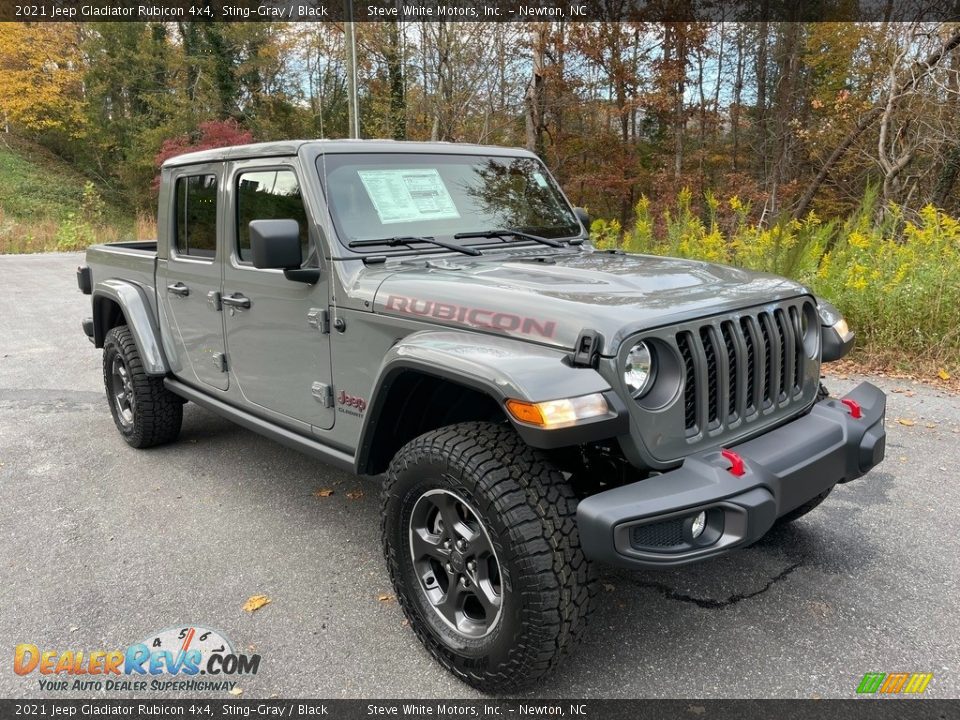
{"points": [[379, 196]]}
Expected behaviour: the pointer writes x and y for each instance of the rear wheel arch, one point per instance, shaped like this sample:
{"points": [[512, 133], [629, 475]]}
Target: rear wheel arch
{"points": [[117, 303], [107, 314], [411, 401]]}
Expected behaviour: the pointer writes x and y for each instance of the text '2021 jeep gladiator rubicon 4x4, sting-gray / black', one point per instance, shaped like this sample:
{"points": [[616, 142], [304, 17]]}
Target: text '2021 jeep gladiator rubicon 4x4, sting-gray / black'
{"points": [[434, 313]]}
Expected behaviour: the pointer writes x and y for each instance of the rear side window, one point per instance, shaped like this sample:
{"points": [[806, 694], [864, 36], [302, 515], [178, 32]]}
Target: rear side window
{"points": [[268, 195], [196, 209]]}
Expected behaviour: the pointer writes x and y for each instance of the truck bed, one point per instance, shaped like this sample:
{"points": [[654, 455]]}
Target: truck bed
{"points": [[131, 261]]}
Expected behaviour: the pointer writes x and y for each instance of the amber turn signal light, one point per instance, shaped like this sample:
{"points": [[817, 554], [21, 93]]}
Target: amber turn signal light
{"points": [[558, 413]]}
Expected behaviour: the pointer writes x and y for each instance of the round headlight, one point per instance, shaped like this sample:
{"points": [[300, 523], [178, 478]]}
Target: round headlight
{"points": [[638, 371], [810, 330], [829, 315]]}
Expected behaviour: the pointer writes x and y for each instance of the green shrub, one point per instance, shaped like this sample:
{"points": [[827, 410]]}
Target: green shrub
{"points": [[74, 233], [897, 280]]}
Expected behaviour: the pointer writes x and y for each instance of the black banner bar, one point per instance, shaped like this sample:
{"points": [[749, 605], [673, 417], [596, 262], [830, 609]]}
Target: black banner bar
{"points": [[479, 10], [859, 709]]}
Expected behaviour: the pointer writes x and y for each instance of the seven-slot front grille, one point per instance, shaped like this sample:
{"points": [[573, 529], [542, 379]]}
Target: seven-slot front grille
{"points": [[734, 369]]}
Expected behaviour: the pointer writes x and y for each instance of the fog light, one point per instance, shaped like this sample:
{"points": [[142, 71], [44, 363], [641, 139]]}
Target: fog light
{"points": [[699, 523]]}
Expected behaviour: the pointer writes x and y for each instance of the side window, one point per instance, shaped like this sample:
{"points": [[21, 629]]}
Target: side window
{"points": [[268, 195], [196, 213]]}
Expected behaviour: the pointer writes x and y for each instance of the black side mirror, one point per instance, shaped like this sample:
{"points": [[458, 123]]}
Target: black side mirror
{"points": [[275, 245], [584, 217]]}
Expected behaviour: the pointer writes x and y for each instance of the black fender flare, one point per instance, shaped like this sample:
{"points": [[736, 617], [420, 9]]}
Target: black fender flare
{"points": [[501, 368]]}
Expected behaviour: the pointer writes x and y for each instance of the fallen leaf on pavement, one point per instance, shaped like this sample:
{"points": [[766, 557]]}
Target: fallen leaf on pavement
{"points": [[324, 492], [943, 374], [909, 393], [898, 390], [237, 691], [255, 603], [355, 494], [386, 598], [930, 426], [906, 421]]}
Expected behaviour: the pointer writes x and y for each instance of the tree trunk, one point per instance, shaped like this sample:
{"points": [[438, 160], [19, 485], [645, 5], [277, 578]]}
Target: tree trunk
{"points": [[947, 178], [788, 62], [761, 110], [737, 99], [394, 53], [534, 100], [916, 74]]}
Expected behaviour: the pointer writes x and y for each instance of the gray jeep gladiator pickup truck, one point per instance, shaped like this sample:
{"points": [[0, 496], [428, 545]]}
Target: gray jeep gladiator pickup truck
{"points": [[435, 314]]}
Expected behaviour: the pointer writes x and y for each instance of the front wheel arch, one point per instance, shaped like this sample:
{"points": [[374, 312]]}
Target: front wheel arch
{"points": [[411, 402]]}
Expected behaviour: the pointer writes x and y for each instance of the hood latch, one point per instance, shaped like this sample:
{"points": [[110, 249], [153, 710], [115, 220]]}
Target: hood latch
{"points": [[586, 353]]}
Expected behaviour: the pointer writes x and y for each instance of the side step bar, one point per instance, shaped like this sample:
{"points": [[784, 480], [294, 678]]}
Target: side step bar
{"points": [[298, 442]]}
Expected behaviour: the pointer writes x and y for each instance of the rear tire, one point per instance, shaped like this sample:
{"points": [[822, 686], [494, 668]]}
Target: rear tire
{"points": [[144, 411], [525, 603]]}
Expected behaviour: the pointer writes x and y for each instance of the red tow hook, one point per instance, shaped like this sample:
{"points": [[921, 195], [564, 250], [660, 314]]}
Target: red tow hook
{"points": [[855, 412], [736, 462]]}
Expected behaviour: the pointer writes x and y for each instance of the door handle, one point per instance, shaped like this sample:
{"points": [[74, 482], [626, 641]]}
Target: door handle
{"points": [[178, 288], [236, 300]]}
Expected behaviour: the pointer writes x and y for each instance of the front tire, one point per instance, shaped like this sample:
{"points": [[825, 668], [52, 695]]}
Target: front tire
{"points": [[144, 411], [480, 538]]}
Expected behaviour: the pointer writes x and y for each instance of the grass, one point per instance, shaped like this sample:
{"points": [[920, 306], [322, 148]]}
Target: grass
{"points": [[46, 205]]}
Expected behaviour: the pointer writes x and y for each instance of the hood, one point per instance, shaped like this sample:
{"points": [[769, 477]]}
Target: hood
{"points": [[551, 298]]}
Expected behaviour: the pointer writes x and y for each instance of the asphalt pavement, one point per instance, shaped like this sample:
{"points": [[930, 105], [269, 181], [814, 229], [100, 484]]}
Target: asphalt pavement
{"points": [[102, 545]]}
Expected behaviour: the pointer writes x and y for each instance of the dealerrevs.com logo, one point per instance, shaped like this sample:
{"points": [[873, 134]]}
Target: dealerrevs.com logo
{"points": [[196, 657]]}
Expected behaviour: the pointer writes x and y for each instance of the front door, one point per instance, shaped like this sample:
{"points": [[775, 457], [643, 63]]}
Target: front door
{"points": [[188, 280], [277, 341]]}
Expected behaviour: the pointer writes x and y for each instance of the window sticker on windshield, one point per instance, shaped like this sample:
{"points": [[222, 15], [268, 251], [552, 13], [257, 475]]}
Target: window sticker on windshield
{"points": [[541, 180], [408, 195]]}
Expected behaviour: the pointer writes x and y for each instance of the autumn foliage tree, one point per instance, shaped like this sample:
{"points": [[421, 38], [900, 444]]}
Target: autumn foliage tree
{"points": [[788, 116], [210, 134], [41, 77]]}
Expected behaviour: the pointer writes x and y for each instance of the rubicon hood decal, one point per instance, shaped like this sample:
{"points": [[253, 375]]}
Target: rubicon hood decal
{"points": [[613, 295], [480, 318]]}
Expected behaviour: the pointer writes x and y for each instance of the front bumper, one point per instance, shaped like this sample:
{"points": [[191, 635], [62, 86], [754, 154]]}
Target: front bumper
{"points": [[648, 523]]}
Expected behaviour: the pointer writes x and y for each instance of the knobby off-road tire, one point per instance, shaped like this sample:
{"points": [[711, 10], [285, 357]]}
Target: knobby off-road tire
{"points": [[522, 515], [145, 412], [799, 512]]}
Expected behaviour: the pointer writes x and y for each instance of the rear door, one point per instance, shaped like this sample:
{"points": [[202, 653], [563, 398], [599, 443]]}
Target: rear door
{"points": [[189, 279], [277, 337]]}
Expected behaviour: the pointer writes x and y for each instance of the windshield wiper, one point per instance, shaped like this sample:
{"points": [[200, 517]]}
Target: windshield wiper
{"points": [[508, 231], [408, 239]]}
